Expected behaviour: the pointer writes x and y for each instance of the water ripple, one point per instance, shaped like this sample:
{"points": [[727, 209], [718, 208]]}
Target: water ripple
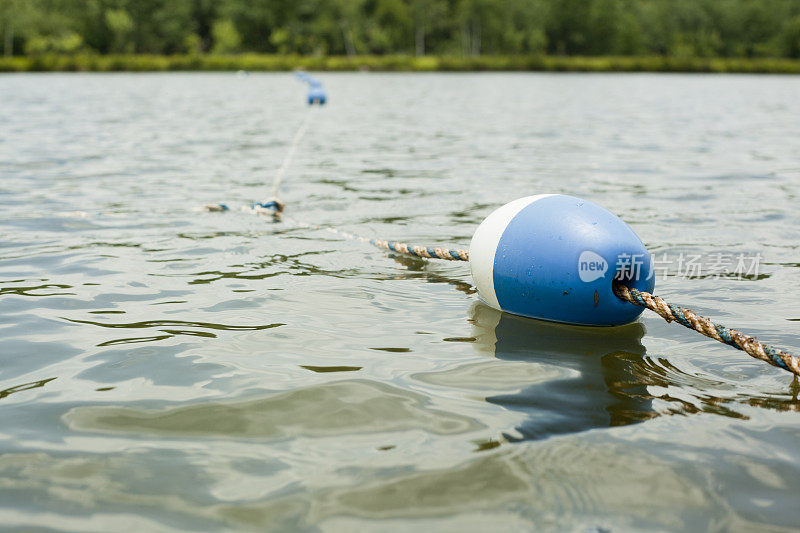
{"points": [[200, 376]]}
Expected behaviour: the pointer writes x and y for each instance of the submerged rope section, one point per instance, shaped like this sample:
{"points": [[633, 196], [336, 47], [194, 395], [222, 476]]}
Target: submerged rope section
{"points": [[688, 318]]}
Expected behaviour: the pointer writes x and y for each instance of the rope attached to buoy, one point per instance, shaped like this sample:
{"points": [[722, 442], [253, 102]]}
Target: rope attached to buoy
{"points": [[688, 318], [429, 252]]}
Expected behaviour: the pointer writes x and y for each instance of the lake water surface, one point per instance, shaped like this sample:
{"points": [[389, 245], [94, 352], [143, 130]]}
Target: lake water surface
{"points": [[172, 370]]}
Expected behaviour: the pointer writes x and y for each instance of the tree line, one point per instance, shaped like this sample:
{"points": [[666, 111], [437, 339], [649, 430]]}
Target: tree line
{"points": [[675, 28]]}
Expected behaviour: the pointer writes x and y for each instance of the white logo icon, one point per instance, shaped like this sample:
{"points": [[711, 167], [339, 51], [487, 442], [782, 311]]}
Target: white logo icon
{"points": [[591, 266]]}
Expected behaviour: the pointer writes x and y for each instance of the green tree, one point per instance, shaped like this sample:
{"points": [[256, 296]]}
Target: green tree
{"points": [[604, 32], [120, 25], [389, 26], [427, 16], [707, 28], [15, 21], [790, 38], [568, 27], [255, 22], [225, 36]]}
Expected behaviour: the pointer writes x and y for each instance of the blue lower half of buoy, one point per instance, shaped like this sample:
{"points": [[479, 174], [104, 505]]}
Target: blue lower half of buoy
{"points": [[316, 95], [555, 257]]}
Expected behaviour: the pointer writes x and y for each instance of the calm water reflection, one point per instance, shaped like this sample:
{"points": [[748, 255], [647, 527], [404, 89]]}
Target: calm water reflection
{"points": [[600, 386]]}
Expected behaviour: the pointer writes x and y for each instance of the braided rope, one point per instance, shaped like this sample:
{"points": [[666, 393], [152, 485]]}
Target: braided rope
{"points": [[686, 317], [690, 319], [428, 252]]}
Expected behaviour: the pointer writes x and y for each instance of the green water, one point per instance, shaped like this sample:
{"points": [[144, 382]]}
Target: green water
{"points": [[167, 369]]}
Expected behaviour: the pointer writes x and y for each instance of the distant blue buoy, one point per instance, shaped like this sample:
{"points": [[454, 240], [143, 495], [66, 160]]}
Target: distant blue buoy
{"points": [[554, 257], [316, 95]]}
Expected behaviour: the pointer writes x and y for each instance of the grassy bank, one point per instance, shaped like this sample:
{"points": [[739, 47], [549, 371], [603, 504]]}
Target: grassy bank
{"points": [[262, 62]]}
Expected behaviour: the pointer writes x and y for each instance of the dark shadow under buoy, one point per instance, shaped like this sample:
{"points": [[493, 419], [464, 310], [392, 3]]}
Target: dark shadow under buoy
{"points": [[599, 387]]}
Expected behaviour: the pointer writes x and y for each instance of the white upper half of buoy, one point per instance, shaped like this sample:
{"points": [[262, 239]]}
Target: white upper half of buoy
{"points": [[484, 245]]}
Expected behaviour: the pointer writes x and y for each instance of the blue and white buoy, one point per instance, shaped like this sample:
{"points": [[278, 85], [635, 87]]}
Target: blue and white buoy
{"points": [[316, 94], [555, 257]]}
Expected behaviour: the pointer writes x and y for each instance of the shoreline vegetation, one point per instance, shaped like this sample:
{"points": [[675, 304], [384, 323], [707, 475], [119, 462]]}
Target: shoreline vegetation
{"points": [[391, 63], [747, 36]]}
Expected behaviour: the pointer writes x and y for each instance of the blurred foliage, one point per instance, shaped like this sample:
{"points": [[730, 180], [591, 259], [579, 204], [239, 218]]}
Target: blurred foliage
{"points": [[283, 62], [452, 28]]}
